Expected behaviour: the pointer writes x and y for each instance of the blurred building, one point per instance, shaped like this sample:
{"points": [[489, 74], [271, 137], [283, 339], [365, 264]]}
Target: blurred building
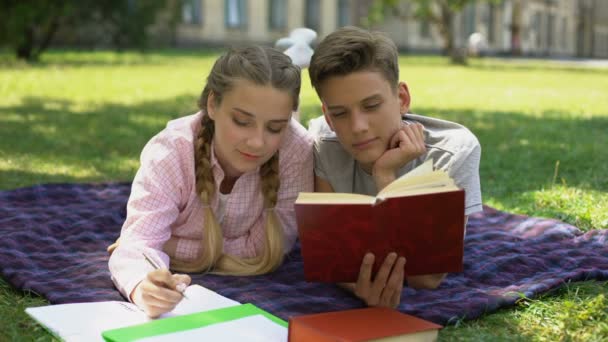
{"points": [[564, 28]]}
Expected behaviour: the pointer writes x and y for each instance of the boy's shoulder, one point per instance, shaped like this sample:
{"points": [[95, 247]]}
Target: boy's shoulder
{"points": [[332, 161], [446, 135], [325, 140]]}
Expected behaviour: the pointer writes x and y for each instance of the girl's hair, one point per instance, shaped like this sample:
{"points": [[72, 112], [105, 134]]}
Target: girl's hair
{"points": [[261, 66]]}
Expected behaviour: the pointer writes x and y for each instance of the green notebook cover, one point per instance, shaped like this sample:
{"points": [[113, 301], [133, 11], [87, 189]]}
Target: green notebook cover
{"points": [[187, 322]]}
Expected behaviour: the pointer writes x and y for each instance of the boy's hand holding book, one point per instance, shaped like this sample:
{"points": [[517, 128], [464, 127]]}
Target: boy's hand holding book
{"points": [[383, 290]]}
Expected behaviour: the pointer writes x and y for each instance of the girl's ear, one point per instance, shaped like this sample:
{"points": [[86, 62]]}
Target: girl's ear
{"points": [[404, 98], [211, 105]]}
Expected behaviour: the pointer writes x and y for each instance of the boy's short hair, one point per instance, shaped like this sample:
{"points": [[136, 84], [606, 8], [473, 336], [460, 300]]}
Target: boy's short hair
{"points": [[351, 49]]}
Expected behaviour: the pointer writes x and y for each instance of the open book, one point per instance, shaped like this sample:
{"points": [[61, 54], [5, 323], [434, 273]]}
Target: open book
{"points": [[419, 215], [87, 321]]}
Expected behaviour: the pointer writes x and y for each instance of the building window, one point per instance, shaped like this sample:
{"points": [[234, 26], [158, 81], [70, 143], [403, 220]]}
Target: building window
{"points": [[235, 13], [492, 24], [312, 15], [564, 33], [536, 27], [425, 29], [277, 14], [191, 12], [550, 33], [343, 13], [469, 19]]}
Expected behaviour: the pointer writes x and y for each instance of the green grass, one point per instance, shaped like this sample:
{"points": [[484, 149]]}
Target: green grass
{"points": [[84, 116]]}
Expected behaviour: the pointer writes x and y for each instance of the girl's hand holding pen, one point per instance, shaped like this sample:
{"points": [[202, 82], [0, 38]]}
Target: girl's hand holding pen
{"points": [[158, 293]]}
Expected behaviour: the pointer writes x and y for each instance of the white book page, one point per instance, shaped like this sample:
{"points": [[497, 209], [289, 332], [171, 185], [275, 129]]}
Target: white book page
{"points": [[251, 328], [86, 321], [200, 299], [422, 177]]}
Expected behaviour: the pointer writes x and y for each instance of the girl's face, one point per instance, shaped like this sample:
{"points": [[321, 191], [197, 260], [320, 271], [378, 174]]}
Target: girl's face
{"points": [[250, 123]]}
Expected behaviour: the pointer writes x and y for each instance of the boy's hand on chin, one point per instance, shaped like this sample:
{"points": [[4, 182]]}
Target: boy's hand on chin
{"points": [[405, 145]]}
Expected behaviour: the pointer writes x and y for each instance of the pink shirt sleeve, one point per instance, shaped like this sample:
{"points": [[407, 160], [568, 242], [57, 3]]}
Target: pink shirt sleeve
{"points": [[296, 177], [153, 206]]}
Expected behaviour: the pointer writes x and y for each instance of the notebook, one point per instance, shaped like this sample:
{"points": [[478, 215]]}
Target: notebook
{"points": [[86, 321], [244, 322]]}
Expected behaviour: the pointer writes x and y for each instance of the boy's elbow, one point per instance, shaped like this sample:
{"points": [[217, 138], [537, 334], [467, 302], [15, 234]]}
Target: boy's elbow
{"points": [[426, 282]]}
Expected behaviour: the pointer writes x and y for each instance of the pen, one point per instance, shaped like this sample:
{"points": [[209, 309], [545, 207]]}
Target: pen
{"points": [[180, 287]]}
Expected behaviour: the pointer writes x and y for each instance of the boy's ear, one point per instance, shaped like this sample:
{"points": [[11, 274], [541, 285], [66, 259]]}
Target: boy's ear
{"points": [[211, 105], [404, 97], [324, 109]]}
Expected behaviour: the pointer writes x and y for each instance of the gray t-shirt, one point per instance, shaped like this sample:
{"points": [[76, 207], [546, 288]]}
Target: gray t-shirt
{"points": [[452, 147]]}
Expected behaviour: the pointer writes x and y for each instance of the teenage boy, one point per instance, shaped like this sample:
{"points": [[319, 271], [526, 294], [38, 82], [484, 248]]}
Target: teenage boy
{"points": [[367, 138]]}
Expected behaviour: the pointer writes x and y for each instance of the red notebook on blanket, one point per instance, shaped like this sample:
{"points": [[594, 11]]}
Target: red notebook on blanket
{"points": [[420, 216]]}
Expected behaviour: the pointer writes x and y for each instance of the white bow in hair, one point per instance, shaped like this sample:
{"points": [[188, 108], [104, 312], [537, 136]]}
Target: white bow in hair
{"points": [[297, 46]]}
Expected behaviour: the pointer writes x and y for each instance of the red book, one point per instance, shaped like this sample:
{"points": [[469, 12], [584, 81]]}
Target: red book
{"points": [[419, 216], [370, 324]]}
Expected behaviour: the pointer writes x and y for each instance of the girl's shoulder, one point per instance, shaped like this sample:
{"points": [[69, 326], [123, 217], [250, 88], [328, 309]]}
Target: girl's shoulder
{"points": [[297, 134], [297, 143], [185, 127], [180, 131], [175, 140]]}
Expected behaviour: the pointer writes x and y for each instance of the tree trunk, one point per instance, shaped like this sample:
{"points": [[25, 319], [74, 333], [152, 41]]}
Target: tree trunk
{"points": [[47, 36], [26, 46], [446, 29], [516, 28], [30, 48]]}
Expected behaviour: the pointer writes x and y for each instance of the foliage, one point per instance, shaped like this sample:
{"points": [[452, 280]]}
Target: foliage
{"points": [[28, 26], [440, 13], [128, 20]]}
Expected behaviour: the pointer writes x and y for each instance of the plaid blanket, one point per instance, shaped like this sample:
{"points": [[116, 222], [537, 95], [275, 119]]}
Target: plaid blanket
{"points": [[54, 239]]}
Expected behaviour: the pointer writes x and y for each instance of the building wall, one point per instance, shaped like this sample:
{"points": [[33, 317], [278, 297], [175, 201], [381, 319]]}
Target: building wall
{"points": [[600, 29], [549, 27]]}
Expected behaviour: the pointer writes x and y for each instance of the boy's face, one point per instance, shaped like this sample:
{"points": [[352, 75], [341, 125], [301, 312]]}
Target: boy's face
{"points": [[364, 110]]}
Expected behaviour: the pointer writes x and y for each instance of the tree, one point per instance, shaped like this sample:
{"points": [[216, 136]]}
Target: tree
{"points": [[128, 21], [440, 13], [516, 18], [28, 26]]}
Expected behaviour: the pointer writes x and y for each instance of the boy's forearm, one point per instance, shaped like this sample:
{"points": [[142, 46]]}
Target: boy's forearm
{"points": [[428, 281], [348, 286]]}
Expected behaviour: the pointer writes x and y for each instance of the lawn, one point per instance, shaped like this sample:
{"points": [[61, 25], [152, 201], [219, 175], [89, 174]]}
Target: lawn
{"points": [[85, 116]]}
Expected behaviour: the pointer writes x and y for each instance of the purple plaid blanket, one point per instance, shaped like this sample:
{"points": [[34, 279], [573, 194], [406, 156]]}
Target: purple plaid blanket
{"points": [[54, 239]]}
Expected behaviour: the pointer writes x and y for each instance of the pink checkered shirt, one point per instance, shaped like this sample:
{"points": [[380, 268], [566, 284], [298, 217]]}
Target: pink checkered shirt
{"points": [[164, 202]]}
